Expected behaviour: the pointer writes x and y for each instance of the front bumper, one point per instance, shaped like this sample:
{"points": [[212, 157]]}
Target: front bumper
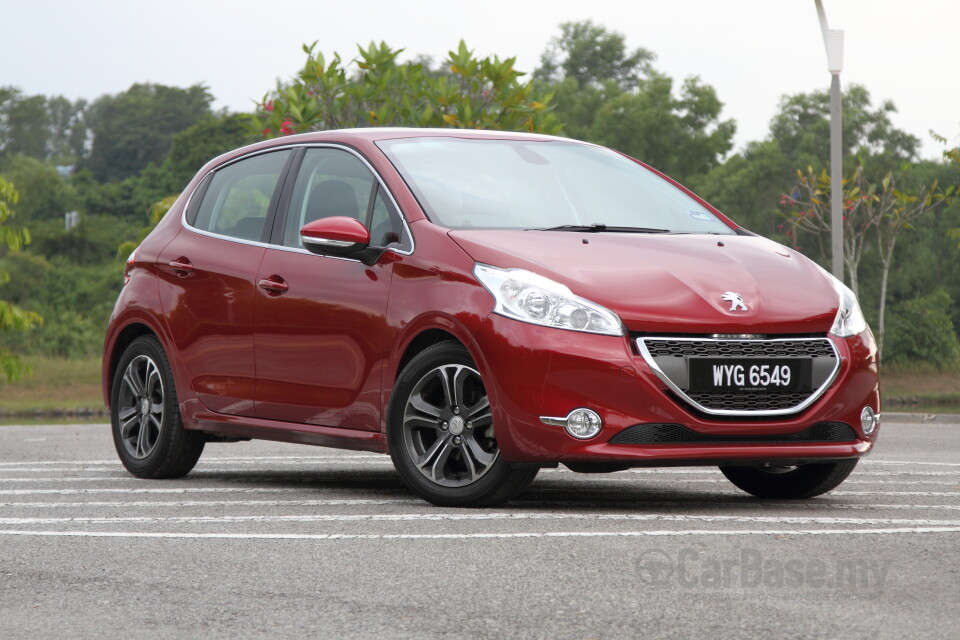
{"points": [[531, 371]]}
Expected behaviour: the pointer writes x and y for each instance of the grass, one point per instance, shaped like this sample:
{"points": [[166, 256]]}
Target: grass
{"points": [[72, 387], [58, 385], [920, 388]]}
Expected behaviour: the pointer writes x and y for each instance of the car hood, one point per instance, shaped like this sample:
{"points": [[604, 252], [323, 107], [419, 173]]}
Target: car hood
{"points": [[672, 282]]}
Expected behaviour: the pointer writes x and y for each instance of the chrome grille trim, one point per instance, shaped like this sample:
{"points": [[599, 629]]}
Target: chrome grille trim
{"points": [[670, 347]]}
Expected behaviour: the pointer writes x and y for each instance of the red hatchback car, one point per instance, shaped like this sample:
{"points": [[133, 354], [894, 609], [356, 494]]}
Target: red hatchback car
{"points": [[480, 305]]}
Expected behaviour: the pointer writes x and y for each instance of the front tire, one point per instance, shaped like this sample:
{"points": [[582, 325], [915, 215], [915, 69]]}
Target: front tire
{"points": [[441, 436], [805, 481], [148, 431]]}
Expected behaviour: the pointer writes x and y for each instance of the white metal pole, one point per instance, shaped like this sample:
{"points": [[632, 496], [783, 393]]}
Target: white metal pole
{"points": [[833, 43]]}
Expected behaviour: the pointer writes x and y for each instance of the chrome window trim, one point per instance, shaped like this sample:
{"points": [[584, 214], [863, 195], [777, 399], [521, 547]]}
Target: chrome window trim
{"points": [[814, 396], [267, 245]]}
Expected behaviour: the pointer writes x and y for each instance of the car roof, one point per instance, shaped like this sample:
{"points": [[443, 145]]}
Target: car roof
{"points": [[365, 137], [373, 134]]}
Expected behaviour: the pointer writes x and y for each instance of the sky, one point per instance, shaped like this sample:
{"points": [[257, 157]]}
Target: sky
{"points": [[752, 51]]}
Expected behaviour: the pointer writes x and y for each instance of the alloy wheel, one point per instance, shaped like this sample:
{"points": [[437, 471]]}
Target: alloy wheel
{"points": [[141, 406], [448, 427]]}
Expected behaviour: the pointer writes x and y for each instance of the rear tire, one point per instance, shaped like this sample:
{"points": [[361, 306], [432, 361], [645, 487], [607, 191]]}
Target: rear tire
{"points": [[147, 429], [805, 481], [440, 433]]}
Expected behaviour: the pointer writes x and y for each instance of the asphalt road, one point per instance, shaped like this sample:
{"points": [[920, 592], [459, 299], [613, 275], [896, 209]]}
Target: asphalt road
{"points": [[273, 540]]}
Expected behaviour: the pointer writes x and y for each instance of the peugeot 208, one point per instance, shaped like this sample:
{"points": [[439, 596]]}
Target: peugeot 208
{"points": [[480, 305]]}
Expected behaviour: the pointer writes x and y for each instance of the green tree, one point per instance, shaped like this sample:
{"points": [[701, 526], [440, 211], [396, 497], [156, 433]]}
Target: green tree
{"points": [[610, 95], [66, 144], [45, 194], [49, 129], [475, 93], [199, 143], [12, 318], [24, 123], [591, 56], [875, 214], [748, 185], [679, 135], [921, 329], [157, 212], [802, 129], [134, 129]]}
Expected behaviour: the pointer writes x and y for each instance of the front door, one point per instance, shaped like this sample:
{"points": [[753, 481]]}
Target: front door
{"points": [[321, 335]]}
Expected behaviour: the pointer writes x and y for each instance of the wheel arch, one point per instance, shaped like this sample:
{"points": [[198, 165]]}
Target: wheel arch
{"points": [[420, 336], [421, 341], [123, 339]]}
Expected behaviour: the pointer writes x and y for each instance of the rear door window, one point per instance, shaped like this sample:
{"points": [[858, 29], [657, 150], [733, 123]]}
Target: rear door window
{"points": [[241, 195]]}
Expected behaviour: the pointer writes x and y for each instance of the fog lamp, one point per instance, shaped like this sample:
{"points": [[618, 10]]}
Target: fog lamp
{"points": [[869, 419], [582, 424]]}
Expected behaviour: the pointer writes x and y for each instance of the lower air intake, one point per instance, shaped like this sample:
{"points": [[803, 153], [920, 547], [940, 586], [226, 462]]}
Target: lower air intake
{"points": [[679, 434]]}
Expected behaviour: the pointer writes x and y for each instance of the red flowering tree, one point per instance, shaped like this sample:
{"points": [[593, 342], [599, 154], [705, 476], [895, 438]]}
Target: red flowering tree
{"points": [[874, 214], [467, 92]]}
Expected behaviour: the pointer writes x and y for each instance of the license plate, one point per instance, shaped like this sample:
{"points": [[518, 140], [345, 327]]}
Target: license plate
{"points": [[751, 374]]}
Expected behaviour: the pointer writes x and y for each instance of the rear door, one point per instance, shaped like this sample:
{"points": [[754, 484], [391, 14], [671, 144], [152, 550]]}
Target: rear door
{"points": [[207, 290], [321, 332]]}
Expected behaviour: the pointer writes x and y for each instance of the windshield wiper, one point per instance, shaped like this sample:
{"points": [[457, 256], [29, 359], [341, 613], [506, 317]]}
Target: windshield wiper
{"points": [[598, 227]]}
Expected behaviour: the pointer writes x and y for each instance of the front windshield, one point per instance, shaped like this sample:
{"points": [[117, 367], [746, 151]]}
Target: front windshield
{"points": [[518, 184]]}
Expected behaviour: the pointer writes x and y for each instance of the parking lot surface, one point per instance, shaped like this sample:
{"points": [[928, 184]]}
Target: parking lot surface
{"points": [[276, 540]]}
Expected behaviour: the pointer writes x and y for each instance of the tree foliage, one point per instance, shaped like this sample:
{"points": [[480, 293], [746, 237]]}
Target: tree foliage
{"points": [[921, 330], [199, 143], [473, 93], [874, 214], [44, 193], [12, 318], [679, 135], [46, 128], [802, 128], [612, 96], [136, 128], [591, 56]]}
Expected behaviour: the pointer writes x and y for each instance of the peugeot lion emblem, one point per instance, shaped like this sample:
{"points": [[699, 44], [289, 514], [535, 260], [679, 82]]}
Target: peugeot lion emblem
{"points": [[736, 302]]}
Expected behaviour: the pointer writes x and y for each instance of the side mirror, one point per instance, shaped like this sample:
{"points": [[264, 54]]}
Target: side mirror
{"points": [[341, 237]]}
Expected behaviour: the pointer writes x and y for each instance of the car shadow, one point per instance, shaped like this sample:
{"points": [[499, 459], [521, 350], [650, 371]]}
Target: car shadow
{"points": [[617, 492]]}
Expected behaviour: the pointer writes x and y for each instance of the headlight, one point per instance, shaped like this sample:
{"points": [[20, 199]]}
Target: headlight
{"points": [[849, 320], [529, 297]]}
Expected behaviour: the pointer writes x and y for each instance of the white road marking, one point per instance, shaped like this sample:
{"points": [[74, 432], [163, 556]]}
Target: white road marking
{"points": [[463, 536], [24, 492], [212, 503], [918, 462], [210, 460], [939, 494], [319, 476], [378, 456], [185, 490], [484, 517], [103, 479], [130, 504]]}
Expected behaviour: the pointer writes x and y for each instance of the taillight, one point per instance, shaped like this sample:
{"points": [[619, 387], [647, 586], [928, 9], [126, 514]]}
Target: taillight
{"points": [[129, 267]]}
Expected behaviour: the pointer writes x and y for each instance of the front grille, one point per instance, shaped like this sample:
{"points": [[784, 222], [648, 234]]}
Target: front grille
{"points": [[749, 401], [670, 358], [678, 434], [798, 348]]}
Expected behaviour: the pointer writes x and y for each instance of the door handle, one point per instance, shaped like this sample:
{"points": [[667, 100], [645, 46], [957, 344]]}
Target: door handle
{"points": [[274, 285], [181, 266]]}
